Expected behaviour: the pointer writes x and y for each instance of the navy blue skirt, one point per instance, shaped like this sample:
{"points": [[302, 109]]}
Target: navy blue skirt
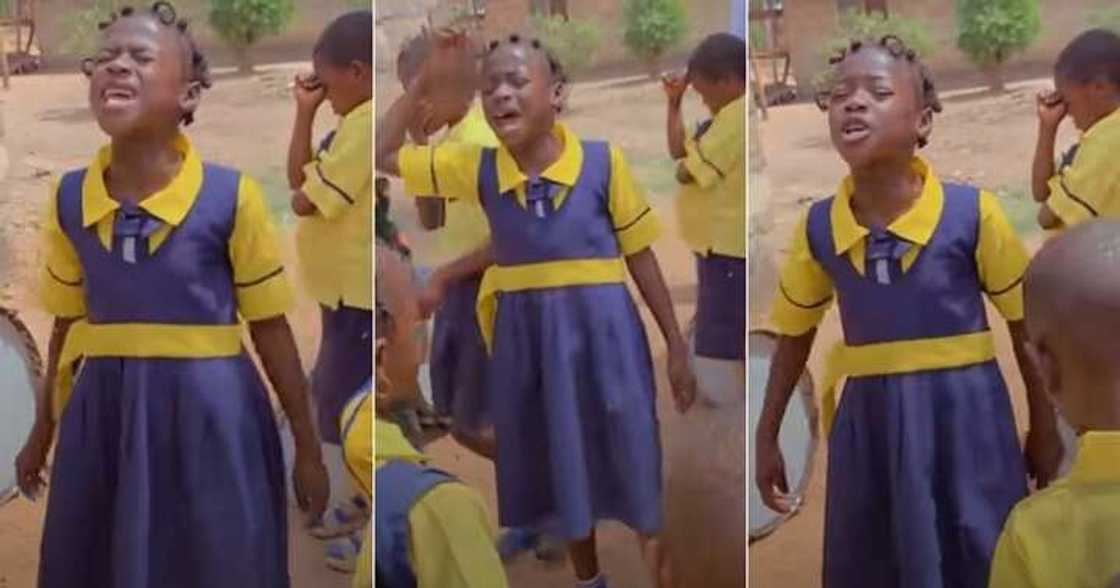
{"points": [[458, 360], [574, 411], [344, 363], [167, 473], [923, 469], [721, 308]]}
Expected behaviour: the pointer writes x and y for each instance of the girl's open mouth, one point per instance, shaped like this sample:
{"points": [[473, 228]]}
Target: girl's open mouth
{"points": [[854, 130]]}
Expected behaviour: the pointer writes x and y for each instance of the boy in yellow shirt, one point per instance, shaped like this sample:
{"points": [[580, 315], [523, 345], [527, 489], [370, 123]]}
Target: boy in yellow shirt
{"points": [[711, 207], [1086, 184], [1068, 535], [333, 197]]}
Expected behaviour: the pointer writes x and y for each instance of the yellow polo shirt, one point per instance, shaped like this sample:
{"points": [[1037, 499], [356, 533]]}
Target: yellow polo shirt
{"points": [[356, 424], [1089, 187], [1067, 535], [465, 229], [452, 540], [335, 244], [262, 289], [451, 170], [805, 290], [716, 164]]}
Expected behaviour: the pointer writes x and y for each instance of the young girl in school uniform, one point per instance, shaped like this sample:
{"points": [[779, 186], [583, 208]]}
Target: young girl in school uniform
{"points": [[168, 469], [574, 404], [333, 197], [924, 462]]}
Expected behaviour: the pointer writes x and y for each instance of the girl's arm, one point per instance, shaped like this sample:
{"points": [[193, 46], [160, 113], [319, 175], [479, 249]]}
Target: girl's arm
{"points": [[786, 368], [456, 271], [277, 349], [651, 283], [1047, 219], [1051, 111], [675, 86], [1044, 445], [33, 457], [308, 94]]}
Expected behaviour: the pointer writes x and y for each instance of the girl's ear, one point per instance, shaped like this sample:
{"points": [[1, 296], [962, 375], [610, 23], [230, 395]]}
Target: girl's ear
{"points": [[925, 125], [559, 96], [190, 98]]}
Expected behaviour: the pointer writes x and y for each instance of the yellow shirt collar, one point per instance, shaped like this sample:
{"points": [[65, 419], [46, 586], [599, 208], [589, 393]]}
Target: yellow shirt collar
{"points": [[1111, 120], [564, 170], [1098, 458], [170, 204], [390, 443], [733, 111], [915, 225]]}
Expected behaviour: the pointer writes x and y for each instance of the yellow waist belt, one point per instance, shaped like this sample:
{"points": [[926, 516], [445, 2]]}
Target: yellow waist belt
{"points": [[533, 276], [139, 340], [900, 357]]}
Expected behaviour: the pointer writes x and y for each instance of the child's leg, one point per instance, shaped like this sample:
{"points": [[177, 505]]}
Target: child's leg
{"points": [[585, 560], [657, 560]]}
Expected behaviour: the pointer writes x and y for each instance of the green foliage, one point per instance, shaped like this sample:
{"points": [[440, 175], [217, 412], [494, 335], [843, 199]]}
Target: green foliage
{"points": [[989, 32], [574, 42], [872, 26], [653, 26], [244, 22], [1105, 17], [80, 27]]}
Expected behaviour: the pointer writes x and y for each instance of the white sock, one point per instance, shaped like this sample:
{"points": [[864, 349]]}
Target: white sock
{"points": [[592, 583]]}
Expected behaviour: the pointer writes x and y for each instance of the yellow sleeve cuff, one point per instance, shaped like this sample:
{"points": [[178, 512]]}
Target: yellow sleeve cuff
{"points": [[267, 296], [328, 196], [793, 317], [61, 296], [417, 166], [639, 233], [1069, 207]]}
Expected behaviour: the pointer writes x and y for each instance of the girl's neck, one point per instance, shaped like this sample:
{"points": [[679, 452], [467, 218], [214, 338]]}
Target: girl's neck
{"points": [[142, 165], [535, 157], [884, 191]]}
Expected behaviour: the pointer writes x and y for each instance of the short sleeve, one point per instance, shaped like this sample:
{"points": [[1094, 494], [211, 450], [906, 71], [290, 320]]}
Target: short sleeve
{"points": [[336, 177], [61, 284], [262, 286], [804, 291], [635, 223], [452, 540], [718, 151], [1087, 187], [1009, 564], [449, 170], [1001, 259]]}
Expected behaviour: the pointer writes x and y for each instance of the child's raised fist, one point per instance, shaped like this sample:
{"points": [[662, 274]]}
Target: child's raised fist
{"points": [[675, 84], [1051, 109]]}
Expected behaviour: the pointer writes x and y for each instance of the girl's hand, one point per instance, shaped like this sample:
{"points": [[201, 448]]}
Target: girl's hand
{"points": [[424, 123], [1044, 452], [770, 475], [32, 459], [1051, 110], [681, 378], [674, 84], [308, 91], [431, 297], [312, 486]]}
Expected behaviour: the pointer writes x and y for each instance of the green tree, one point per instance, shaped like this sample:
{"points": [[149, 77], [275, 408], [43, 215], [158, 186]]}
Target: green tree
{"points": [[990, 32], [80, 27], [242, 23], [653, 27], [574, 41], [873, 26]]}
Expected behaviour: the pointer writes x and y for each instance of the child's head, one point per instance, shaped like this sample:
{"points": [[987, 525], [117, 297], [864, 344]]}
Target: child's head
{"points": [[1087, 76], [148, 74], [398, 353], [523, 89], [881, 102], [717, 70], [343, 59], [453, 94], [1072, 308]]}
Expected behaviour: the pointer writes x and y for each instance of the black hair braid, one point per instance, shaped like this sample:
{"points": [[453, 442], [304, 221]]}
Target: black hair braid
{"points": [[165, 14], [896, 48], [555, 66]]}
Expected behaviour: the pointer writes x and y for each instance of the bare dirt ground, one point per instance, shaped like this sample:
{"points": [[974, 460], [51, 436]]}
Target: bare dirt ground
{"points": [[631, 114], [243, 122], [984, 140]]}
